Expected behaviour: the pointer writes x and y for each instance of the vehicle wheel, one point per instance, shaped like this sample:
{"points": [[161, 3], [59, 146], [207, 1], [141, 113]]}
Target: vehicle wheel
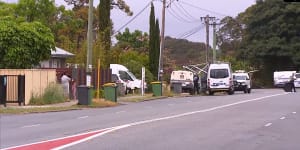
{"points": [[191, 91], [245, 90], [230, 92], [249, 91]]}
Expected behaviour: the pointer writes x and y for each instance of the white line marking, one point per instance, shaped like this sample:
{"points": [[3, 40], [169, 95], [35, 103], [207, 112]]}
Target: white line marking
{"points": [[61, 138], [120, 112], [148, 121], [82, 117], [282, 118], [294, 112], [268, 124], [91, 137], [30, 126]]}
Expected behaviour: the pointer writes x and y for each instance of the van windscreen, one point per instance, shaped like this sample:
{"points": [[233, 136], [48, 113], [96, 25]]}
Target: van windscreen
{"points": [[219, 73]]}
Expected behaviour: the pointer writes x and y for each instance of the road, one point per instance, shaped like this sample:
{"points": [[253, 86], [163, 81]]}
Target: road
{"points": [[266, 119]]}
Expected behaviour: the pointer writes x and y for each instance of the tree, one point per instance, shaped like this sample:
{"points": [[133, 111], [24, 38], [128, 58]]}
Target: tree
{"points": [[105, 27], [229, 36], [105, 24], [156, 47], [43, 11], [271, 40], [136, 40], [7, 9], [153, 59], [134, 61], [23, 44]]}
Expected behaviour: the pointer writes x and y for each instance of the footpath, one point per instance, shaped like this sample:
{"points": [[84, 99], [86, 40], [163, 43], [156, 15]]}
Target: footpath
{"points": [[123, 100]]}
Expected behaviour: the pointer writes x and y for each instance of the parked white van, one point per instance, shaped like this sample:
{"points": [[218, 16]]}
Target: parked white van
{"points": [[120, 74], [219, 78], [282, 77], [297, 81]]}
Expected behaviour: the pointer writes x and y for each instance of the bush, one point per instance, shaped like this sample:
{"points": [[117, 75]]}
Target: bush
{"points": [[95, 92], [52, 94]]}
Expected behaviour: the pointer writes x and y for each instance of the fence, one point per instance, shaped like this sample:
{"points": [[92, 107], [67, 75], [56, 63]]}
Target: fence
{"points": [[35, 81], [79, 75], [16, 84]]}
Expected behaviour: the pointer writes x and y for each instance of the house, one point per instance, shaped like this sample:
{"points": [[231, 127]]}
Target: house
{"points": [[57, 60]]}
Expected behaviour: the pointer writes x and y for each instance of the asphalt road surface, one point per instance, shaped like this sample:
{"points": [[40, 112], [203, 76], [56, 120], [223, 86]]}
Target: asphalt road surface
{"points": [[266, 119]]}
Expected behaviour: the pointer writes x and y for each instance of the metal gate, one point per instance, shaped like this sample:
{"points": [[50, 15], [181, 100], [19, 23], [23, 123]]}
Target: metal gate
{"points": [[12, 89]]}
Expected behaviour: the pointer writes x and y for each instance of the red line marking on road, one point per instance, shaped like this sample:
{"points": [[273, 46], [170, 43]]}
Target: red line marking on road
{"points": [[47, 145]]}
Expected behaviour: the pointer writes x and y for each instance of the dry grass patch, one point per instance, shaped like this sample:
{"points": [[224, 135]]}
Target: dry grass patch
{"points": [[102, 103]]}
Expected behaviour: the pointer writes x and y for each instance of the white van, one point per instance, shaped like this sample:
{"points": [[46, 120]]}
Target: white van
{"points": [[120, 74], [297, 81], [282, 77], [185, 78], [219, 78]]}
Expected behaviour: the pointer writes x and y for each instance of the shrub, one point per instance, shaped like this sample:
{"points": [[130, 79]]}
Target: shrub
{"points": [[95, 92], [52, 94]]}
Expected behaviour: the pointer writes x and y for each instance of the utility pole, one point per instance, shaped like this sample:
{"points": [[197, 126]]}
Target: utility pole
{"points": [[214, 42], [162, 43], [89, 45], [206, 21]]}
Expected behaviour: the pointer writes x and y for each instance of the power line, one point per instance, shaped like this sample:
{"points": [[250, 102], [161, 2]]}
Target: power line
{"points": [[191, 32], [178, 17], [196, 31], [217, 13], [139, 13], [186, 13]]}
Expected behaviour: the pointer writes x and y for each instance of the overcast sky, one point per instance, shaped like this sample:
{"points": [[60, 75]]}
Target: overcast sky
{"points": [[182, 16]]}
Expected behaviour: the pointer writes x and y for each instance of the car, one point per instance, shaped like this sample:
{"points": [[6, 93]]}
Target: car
{"points": [[219, 78], [297, 81], [242, 81]]}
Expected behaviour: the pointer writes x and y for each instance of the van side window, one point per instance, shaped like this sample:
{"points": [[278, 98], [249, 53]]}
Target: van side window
{"points": [[124, 76], [219, 73], [114, 78]]}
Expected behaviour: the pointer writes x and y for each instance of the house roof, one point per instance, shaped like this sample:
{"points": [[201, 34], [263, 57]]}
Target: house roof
{"points": [[61, 53]]}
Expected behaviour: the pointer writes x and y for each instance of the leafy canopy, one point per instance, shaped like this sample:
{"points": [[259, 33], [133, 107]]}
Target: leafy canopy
{"points": [[23, 44]]}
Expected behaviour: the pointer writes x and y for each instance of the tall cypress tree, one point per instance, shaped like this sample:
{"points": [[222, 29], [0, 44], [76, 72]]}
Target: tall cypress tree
{"points": [[153, 61], [157, 46], [105, 28]]}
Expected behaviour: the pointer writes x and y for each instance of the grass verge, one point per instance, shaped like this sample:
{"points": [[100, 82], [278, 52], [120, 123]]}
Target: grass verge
{"points": [[54, 108], [139, 98], [22, 110]]}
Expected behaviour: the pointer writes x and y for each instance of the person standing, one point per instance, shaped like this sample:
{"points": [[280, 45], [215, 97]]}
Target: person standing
{"points": [[196, 84], [292, 82], [65, 81]]}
